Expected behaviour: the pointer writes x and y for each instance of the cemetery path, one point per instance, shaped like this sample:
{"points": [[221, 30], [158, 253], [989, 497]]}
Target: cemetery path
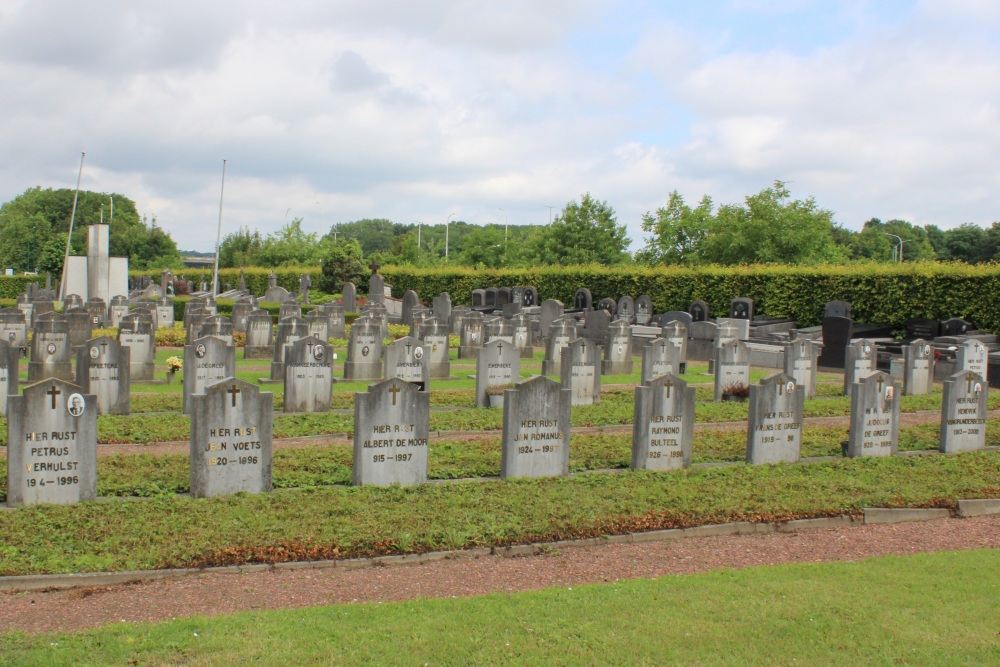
{"points": [[228, 593]]}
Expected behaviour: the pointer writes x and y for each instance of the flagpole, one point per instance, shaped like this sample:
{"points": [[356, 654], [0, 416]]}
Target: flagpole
{"points": [[69, 237], [218, 238]]}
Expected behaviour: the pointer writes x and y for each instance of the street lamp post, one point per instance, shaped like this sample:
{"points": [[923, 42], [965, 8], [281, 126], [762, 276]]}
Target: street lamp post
{"points": [[550, 212], [901, 242], [446, 223], [419, 223]]}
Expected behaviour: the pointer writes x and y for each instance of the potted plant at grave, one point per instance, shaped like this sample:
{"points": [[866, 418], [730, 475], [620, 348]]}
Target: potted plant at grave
{"points": [[494, 394], [735, 392], [174, 364]]}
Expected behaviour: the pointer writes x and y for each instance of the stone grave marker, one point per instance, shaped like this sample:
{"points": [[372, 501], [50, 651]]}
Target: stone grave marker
{"points": [[231, 429], [837, 309], [290, 330], [9, 359], [274, 294], [435, 339], [741, 326], [441, 305], [923, 327], [471, 336], [72, 301], [955, 326], [206, 361], [305, 282], [732, 368], [973, 356], [50, 349], [859, 361], [660, 357], [503, 296], [51, 444], [318, 324], [376, 289], [241, 311], [583, 299], [800, 364], [259, 336], [390, 434], [677, 333], [551, 310], [490, 296], [626, 309], [498, 364], [420, 320], [97, 310], [499, 329], [79, 324], [663, 424], [609, 305], [618, 352], [774, 427], [102, 370], [529, 298], [407, 359], [874, 429], [410, 301], [681, 316], [27, 308], [349, 297], [289, 308], [643, 310], [523, 339], [218, 326], [561, 334], [136, 333], [478, 298], [536, 419], [14, 329], [364, 351], [580, 371], [308, 375], [596, 324], [150, 310], [918, 368], [698, 310], [119, 308], [963, 413], [741, 308], [337, 323]]}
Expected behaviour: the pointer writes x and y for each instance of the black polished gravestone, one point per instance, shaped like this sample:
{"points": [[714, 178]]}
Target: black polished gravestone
{"points": [[478, 298], [490, 297], [504, 296], [9, 358], [102, 370], [231, 431], [643, 310], [206, 361], [923, 327], [837, 333], [583, 299], [699, 311], [741, 308], [625, 309], [610, 306], [50, 349], [676, 316], [52, 445], [956, 326], [529, 298], [837, 309]]}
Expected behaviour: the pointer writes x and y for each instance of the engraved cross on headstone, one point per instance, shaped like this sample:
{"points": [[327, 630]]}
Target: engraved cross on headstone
{"points": [[394, 391], [53, 392], [233, 391]]}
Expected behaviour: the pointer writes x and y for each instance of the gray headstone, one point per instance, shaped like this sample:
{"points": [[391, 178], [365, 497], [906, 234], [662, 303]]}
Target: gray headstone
{"points": [[580, 371], [859, 361], [471, 336], [335, 320], [408, 359], [27, 308], [498, 328], [596, 324], [774, 427], [874, 429], [305, 282], [390, 434], [551, 310], [837, 309], [677, 333], [523, 338], [441, 306], [102, 370], [676, 316], [308, 375], [136, 333], [349, 297], [14, 329], [973, 356], [742, 326], [241, 311], [376, 289], [231, 427], [206, 361], [732, 368], [410, 301], [536, 424], [618, 351], [561, 334], [660, 357], [663, 424], [498, 364], [259, 336], [51, 445], [963, 413], [97, 310], [72, 301], [364, 351], [50, 349], [274, 294], [626, 309], [318, 324], [9, 359], [420, 319], [218, 326], [80, 326], [289, 308], [918, 368], [800, 364], [290, 330], [118, 309], [435, 338]]}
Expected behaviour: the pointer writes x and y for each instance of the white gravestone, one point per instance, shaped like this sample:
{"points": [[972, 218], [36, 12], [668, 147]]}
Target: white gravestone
{"points": [[407, 359], [800, 362], [308, 375], [660, 357], [390, 434], [874, 429], [963, 413], [581, 372], [663, 424], [9, 358], [498, 364], [732, 368], [774, 427], [918, 368], [364, 351], [859, 361]]}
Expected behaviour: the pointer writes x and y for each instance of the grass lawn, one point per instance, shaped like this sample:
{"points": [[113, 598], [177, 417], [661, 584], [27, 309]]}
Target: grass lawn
{"points": [[927, 609]]}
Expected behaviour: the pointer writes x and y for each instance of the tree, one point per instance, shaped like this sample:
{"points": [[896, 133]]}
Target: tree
{"points": [[677, 231], [583, 233], [484, 247], [966, 243], [240, 248], [878, 241], [342, 263]]}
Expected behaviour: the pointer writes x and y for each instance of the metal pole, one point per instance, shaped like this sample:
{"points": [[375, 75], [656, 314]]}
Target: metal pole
{"points": [[450, 216], [218, 237], [504, 225], [550, 213], [72, 218]]}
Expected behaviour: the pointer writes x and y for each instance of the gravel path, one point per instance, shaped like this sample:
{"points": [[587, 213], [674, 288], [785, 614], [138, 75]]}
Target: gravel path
{"points": [[227, 593]]}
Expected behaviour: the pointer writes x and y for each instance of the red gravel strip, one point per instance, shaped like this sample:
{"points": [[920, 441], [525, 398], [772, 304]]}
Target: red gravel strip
{"points": [[227, 593]]}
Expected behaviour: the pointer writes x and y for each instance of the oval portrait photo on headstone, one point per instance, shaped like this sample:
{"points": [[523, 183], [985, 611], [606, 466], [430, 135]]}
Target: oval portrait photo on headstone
{"points": [[95, 352], [51, 348], [418, 353], [76, 404], [199, 350], [319, 352]]}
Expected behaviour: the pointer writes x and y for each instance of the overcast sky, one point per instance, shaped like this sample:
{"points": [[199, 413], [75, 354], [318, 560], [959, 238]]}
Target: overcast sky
{"points": [[334, 110]]}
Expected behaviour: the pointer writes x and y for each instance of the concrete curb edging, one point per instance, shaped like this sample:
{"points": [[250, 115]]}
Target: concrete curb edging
{"points": [[871, 515]]}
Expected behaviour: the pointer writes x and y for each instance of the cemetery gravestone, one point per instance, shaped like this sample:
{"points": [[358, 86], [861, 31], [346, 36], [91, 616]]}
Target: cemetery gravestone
{"points": [[529, 298], [26, 307], [522, 336], [918, 368], [562, 333], [308, 375], [150, 310], [436, 343], [289, 308], [498, 364], [610, 306], [376, 288], [774, 428], [596, 325], [800, 364], [626, 309], [259, 336], [741, 326], [14, 329], [364, 351], [874, 429], [580, 372], [442, 307], [51, 445], [289, 330], [274, 293], [407, 359], [732, 369], [583, 299], [9, 358], [837, 309], [241, 311], [410, 301], [337, 323], [922, 327], [963, 413], [660, 357], [677, 333], [80, 329], [50, 349], [741, 308], [119, 309], [72, 301], [349, 297], [318, 324], [97, 310], [231, 431], [699, 311], [681, 316], [102, 370], [206, 362], [390, 434], [503, 296], [551, 310], [471, 336], [499, 329], [643, 310], [859, 362], [663, 424], [305, 282], [973, 356], [536, 420], [136, 333], [955, 327], [618, 353], [218, 326], [478, 298]]}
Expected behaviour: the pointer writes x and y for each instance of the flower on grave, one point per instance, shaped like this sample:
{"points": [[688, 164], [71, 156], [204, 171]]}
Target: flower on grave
{"points": [[174, 364]]}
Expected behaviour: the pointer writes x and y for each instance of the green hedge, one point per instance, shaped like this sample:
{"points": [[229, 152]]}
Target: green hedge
{"points": [[890, 293]]}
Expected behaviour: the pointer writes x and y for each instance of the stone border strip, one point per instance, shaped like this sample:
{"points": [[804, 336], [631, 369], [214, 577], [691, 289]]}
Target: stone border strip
{"points": [[871, 515]]}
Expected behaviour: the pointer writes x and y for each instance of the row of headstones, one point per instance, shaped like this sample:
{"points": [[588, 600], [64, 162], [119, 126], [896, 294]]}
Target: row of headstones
{"points": [[52, 431]]}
